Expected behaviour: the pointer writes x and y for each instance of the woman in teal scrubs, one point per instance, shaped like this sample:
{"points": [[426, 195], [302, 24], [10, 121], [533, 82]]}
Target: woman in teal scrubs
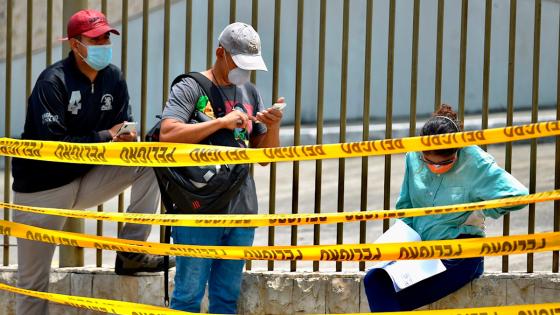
{"points": [[438, 178]]}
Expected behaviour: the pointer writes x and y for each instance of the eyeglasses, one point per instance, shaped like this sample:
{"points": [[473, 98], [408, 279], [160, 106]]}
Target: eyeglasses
{"points": [[446, 162]]}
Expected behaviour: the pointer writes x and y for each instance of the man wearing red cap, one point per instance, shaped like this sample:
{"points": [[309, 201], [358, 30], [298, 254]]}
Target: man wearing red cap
{"points": [[82, 99]]}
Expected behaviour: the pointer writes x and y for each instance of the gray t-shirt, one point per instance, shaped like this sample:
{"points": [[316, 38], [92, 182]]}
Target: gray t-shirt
{"points": [[181, 106]]}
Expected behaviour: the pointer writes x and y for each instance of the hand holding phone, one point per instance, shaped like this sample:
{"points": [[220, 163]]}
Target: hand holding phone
{"points": [[126, 128], [279, 106]]}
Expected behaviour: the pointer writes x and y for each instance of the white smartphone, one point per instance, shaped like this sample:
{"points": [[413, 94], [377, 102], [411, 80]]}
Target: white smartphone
{"points": [[279, 106], [127, 127]]}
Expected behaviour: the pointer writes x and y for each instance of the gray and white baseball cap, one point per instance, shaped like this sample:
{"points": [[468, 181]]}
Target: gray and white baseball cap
{"points": [[243, 43]]}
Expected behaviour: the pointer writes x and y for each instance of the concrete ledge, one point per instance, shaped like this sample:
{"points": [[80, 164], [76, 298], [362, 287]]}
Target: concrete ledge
{"points": [[287, 292], [299, 293]]}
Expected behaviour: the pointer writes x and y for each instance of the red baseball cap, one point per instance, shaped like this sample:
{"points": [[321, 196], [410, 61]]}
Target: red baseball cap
{"points": [[90, 23]]}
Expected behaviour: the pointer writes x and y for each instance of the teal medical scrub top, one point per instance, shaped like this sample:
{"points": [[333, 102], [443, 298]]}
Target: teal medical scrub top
{"points": [[475, 176]]}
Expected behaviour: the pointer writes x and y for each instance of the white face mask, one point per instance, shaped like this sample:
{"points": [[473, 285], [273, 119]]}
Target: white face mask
{"points": [[239, 76]]}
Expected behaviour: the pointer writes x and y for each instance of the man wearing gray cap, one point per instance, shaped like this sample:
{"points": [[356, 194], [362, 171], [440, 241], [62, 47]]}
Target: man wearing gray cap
{"points": [[244, 116]]}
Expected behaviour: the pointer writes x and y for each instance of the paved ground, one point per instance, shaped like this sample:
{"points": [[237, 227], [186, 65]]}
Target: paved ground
{"points": [[329, 191]]}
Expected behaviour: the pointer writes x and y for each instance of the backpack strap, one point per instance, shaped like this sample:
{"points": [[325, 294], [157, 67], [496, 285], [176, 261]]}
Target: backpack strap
{"points": [[167, 206], [223, 137], [167, 240], [209, 88]]}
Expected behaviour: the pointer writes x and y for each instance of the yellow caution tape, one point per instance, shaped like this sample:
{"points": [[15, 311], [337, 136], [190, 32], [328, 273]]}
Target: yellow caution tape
{"points": [[527, 309], [446, 249], [94, 304], [127, 308], [255, 220], [171, 154]]}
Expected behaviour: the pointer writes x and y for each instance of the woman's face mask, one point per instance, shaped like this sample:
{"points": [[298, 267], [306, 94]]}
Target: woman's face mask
{"points": [[439, 167], [98, 56]]}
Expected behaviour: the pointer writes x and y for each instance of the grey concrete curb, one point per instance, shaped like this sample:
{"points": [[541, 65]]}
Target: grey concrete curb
{"points": [[280, 292]]}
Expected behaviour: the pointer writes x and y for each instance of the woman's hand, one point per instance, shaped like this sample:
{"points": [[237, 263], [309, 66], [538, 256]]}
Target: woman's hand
{"points": [[476, 218]]}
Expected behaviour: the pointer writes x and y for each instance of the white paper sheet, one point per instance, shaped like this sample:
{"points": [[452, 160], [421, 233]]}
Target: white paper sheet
{"points": [[405, 273]]}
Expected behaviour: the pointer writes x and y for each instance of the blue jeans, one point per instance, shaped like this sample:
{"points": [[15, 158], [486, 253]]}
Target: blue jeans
{"points": [[382, 297], [222, 275]]}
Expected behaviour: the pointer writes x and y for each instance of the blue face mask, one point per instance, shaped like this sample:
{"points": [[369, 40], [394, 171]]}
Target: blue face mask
{"points": [[98, 56]]}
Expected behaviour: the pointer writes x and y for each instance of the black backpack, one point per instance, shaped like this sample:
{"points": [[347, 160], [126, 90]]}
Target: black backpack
{"points": [[198, 189], [201, 189]]}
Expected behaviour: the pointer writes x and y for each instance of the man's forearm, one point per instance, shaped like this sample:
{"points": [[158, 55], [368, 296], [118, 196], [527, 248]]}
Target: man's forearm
{"points": [[270, 139], [179, 132]]}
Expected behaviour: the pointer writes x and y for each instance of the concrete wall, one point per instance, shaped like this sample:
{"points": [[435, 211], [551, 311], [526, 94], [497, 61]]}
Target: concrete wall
{"points": [[288, 292]]}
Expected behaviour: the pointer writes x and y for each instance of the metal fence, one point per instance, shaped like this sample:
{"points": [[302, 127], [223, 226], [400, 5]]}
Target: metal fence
{"points": [[75, 257]]}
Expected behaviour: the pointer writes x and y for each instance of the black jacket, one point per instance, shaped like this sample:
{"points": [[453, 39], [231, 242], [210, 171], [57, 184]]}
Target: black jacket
{"points": [[66, 106]]}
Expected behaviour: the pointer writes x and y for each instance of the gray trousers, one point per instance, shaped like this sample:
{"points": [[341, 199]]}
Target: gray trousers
{"points": [[97, 186]]}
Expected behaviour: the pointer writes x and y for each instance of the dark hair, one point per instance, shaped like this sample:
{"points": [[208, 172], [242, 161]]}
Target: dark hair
{"points": [[443, 121]]}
